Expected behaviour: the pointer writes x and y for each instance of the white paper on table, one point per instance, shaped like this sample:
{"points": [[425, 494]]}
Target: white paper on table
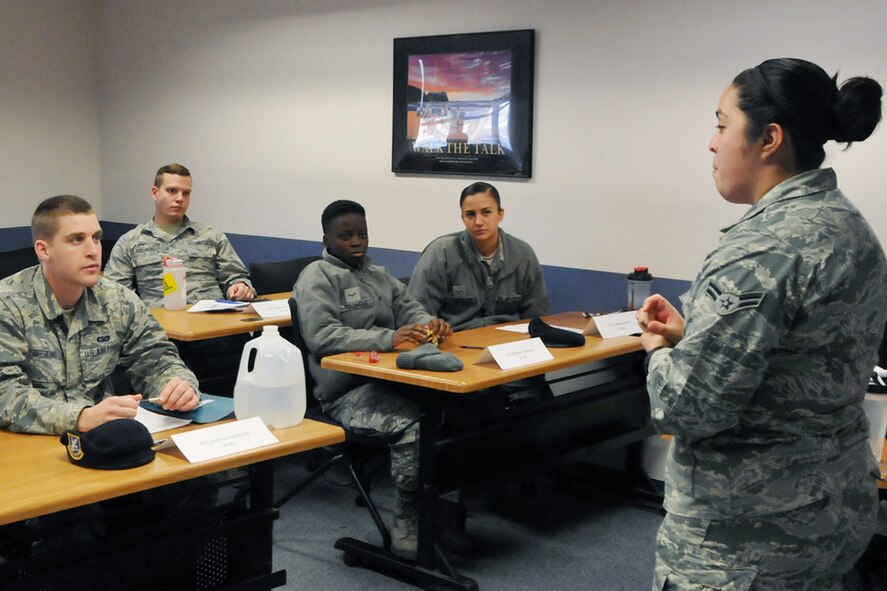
{"points": [[271, 308], [215, 306], [155, 422], [518, 328], [525, 328], [568, 328], [516, 354], [223, 440]]}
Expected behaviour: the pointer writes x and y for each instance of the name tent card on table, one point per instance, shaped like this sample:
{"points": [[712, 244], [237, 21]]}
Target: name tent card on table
{"points": [[620, 324], [271, 308], [223, 440], [516, 354]]}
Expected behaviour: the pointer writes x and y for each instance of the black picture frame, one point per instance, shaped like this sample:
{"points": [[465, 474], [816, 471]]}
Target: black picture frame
{"points": [[463, 104]]}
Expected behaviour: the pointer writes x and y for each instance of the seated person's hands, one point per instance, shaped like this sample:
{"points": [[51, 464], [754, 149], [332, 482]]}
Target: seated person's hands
{"points": [[418, 333], [109, 409], [241, 292], [178, 394], [661, 323], [413, 333], [440, 328]]}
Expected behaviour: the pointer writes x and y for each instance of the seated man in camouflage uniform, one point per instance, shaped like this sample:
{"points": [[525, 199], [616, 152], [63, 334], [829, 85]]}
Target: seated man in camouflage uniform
{"points": [[348, 303], [213, 268], [64, 329]]}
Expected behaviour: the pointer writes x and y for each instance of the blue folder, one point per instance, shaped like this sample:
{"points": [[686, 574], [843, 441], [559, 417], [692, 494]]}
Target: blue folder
{"points": [[221, 407]]}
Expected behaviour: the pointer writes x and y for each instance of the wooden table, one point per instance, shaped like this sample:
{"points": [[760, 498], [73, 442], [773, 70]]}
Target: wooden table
{"points": [[610, 404], [181, 325], [477, 377], [38, 480]]}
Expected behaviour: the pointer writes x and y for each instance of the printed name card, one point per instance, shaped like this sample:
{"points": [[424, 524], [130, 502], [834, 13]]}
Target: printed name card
{"points": [[516, 354], [619, 324], [271, 308], [223, 440]]}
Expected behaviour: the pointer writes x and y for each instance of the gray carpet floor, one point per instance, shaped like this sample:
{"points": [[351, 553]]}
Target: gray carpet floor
{"points": [[548, 537]]}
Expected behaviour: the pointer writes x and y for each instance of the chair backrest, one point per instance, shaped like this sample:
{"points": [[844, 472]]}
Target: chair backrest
{"points": [[13, 261], [279, 276], [882, 350], [299, 341]]}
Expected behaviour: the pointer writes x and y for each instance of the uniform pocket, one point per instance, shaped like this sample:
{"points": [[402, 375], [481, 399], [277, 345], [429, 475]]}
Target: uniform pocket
{"points": [[507, 304], [685, 560], [147, 260], [99, 357], [454, 306], [45, 369], [667, 579]]}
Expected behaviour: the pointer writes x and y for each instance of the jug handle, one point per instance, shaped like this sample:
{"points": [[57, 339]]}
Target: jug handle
{"points": [[244, 359]]}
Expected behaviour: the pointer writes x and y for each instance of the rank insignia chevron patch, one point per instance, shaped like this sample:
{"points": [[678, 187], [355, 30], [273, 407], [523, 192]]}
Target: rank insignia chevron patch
{"points": [[727, 303]]}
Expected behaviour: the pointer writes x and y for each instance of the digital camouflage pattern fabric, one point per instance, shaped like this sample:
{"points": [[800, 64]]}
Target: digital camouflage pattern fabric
{"points": [[50, 371], [211, 262], [763, 394]]}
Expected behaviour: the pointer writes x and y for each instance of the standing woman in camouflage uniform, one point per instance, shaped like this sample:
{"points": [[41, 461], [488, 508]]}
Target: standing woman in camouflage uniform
{"points": [[770, 482]]}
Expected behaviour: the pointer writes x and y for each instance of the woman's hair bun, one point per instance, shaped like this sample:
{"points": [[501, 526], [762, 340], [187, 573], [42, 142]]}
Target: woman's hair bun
{"points": [[857, 109]]}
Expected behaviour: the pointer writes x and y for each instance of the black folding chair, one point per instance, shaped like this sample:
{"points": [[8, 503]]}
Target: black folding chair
{"points": [[278, 276], [358, 453]]}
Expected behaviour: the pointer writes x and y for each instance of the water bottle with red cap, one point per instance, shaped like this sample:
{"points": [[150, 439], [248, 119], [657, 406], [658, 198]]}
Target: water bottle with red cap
{"points": [[640, 285]]}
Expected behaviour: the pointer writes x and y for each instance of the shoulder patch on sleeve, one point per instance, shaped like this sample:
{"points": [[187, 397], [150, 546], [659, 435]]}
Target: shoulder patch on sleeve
{"points": [[726, 302]]}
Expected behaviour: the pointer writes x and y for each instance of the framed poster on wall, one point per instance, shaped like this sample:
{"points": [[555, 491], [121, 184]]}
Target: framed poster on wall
{"points": [[463, 104]]}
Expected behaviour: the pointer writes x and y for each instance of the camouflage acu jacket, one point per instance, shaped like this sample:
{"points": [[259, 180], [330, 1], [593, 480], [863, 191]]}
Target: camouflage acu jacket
{"points": [[49, 372], [764, 393], [212, 265]]}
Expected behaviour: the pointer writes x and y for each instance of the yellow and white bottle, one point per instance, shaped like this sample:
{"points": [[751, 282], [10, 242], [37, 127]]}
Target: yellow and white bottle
{"points": [[175, 291]]}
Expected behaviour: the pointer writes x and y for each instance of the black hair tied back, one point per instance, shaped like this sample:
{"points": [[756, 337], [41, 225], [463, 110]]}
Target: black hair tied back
{"points": [[806, 101], [857, 109]]}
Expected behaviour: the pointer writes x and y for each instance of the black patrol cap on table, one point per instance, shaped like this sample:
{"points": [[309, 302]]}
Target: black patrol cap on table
{"points": [[552, 336], [115, 445]]}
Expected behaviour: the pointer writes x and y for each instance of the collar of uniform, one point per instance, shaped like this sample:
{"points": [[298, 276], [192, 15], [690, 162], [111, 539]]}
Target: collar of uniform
{"points": [[152, 228], [51, 308], [95, 311], [800, 185], [468, 244], [45, 298], [364, 263], [504, 265]]}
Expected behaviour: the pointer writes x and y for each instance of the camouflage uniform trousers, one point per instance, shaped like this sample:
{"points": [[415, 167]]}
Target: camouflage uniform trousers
{"points": [[808, 548], [379, 409]]}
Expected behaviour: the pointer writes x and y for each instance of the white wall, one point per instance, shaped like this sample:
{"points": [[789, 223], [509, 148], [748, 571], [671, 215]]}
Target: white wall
{"points": [[278, 107], [49, 140]]}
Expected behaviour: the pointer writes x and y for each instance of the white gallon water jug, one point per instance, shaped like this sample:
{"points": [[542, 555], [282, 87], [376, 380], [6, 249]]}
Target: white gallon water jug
{"points": [[274, 389]]}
